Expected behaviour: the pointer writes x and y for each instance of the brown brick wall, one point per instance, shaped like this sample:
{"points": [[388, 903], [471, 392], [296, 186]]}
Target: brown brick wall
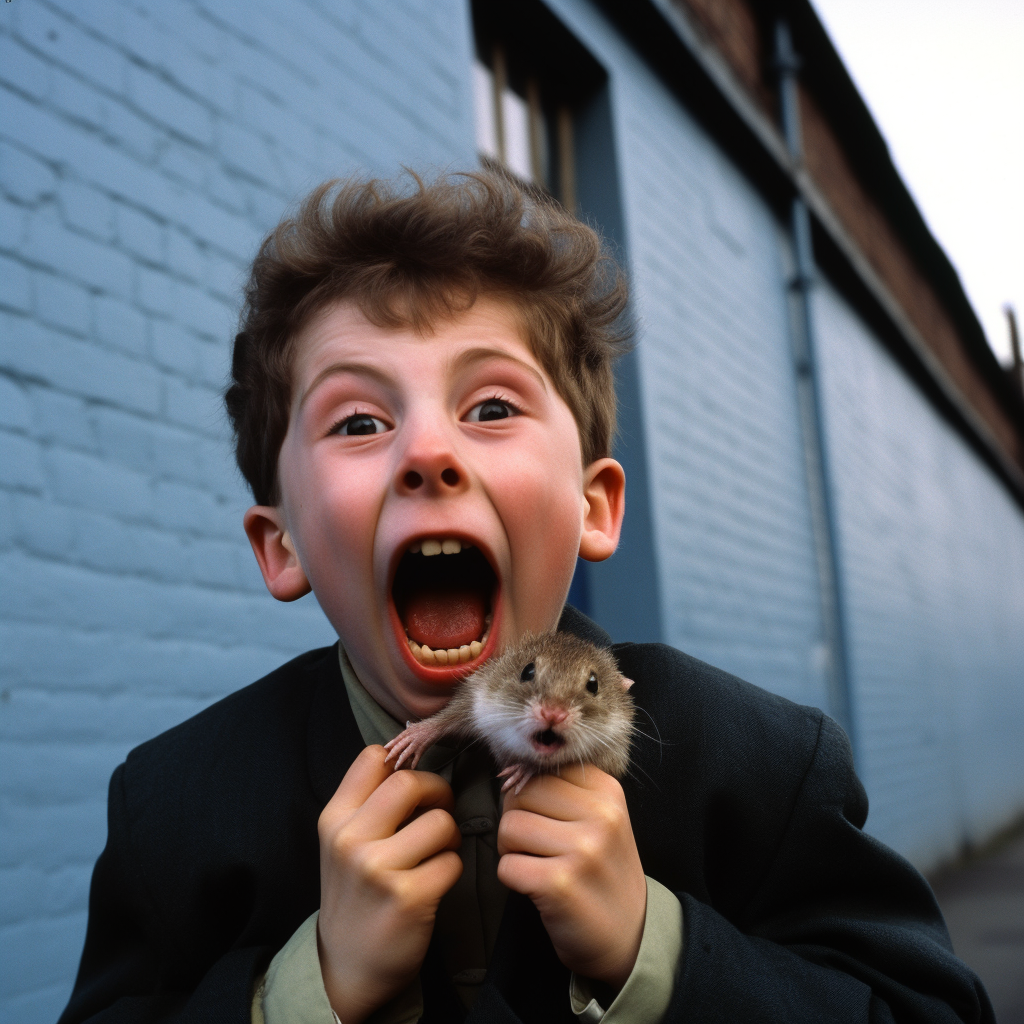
{"points": [[731, 27]]}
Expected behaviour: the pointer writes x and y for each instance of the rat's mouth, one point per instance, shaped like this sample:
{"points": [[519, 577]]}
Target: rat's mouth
{"points": [[547, 742], [443, 594]]}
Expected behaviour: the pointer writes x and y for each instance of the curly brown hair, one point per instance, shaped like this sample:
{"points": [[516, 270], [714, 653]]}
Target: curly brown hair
{"points": [[413, 254]]}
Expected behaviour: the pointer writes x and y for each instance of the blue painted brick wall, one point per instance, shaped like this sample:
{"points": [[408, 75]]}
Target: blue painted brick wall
{"points": [[732, 521], [931, 543], [144, 151], [932, 550]]}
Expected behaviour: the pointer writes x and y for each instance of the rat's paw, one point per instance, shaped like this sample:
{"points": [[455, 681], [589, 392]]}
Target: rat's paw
{"points": [[412, 742], [517, 775]]}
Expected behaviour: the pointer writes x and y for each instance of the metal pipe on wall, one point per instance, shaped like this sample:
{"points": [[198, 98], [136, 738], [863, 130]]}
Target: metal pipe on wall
{"points": [[808, 386]]}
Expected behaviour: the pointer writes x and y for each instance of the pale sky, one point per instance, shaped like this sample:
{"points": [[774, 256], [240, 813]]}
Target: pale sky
{"points": [[944, 80]]}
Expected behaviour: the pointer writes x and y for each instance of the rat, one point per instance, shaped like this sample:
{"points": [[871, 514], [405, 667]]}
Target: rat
{"points": [[550, 700]]}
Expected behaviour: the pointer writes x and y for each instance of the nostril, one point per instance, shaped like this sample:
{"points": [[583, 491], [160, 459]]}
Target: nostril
{"points": [[450, 477], [413, 480]]}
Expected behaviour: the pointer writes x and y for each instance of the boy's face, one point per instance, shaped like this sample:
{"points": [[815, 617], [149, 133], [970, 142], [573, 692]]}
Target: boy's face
{"points": [[398, 442]]}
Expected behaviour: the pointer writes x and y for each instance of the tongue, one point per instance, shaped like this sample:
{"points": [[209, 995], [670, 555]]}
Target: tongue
{"points": [[442, 619]]}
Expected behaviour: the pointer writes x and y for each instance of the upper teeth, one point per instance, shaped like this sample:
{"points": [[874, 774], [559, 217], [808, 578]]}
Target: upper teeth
{"points": [[448, 546]]}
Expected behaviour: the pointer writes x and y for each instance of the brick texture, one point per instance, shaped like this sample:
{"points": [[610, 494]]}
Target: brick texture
{"points": [[732, 522], [732, 28], [146, 148], [932, 552], [144, 151], [931, 544]]}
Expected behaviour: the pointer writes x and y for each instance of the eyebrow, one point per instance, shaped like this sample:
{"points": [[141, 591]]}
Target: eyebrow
{"points": [[478, 355], [461, 362], [336, 369]]}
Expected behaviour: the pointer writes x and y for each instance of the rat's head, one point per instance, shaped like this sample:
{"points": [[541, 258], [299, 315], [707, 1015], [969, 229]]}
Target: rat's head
{"points": [[423, 404], [555, 699]]}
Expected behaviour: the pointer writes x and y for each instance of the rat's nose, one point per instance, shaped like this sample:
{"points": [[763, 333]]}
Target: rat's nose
{"points": [[551, 716]]}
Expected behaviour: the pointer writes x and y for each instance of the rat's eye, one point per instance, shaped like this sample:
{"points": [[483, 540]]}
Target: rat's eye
{"points": [[360, 423], [527, 673], [492, 409], [592, 683]]}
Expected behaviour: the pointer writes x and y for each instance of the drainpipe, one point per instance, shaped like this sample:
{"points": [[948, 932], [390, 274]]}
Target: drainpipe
{"points": [[809, 400], [1017, 369]]}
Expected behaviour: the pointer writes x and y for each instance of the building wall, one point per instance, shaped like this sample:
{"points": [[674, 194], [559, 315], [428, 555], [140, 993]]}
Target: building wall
{"points": [[931, 543], [142, 156], [144, 150], [932, 553], [732, 522]]}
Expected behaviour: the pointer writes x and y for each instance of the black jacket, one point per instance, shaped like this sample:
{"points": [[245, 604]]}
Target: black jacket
{"points": [[748, 809]]}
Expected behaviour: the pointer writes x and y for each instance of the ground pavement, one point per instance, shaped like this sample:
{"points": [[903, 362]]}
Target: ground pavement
{"points": [[983, 903]]}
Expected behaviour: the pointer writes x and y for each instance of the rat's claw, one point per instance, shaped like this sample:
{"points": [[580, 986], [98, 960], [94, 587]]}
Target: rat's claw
{"points": [[398, 747], [518, 775], [408, 752]]}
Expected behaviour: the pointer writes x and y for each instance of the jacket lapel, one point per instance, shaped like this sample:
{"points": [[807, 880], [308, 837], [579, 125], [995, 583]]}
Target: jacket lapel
{"points": [[333, 740]]}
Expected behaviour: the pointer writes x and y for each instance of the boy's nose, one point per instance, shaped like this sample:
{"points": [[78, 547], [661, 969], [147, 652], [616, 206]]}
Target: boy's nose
{"points": [[414, 479], [431, 472]]}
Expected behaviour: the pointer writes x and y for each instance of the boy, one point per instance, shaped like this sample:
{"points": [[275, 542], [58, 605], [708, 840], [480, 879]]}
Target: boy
{"points": [[423, 404]]}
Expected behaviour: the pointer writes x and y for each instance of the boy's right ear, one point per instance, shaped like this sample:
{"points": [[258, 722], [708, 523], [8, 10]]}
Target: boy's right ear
{"points": [[274, 550]]}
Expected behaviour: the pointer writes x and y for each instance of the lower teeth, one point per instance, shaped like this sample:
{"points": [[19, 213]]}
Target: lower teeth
{"points": [[452, 656]]}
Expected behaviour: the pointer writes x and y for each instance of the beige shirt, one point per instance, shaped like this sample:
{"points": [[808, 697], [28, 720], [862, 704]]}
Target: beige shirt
{"points": [[469, 915]]}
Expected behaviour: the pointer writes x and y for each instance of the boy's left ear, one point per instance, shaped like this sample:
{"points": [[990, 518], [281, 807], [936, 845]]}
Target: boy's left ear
{"points": [[604, 495]]}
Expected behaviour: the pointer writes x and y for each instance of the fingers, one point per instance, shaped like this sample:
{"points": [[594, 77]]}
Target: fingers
{"points": [[565, 796], [434, 877], [525, 832], [426, 836], [373, 800], [396, 799], [533, 875], [365, 774]]}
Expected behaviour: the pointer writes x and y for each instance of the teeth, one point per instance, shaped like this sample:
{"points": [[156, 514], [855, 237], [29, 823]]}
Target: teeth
{"points": [[448, 546], [451, 656]]}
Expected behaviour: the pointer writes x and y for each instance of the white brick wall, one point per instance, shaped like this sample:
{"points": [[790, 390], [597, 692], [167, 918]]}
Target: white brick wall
{"points": [[144, 150]]}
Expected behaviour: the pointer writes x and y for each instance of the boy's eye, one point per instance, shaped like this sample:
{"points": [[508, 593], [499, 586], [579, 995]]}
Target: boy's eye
{"points": [[360, 423], [492, 409]]}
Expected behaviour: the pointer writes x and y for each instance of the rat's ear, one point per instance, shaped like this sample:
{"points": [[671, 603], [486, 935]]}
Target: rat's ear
{"points": [[274, 550], [604, 495]]}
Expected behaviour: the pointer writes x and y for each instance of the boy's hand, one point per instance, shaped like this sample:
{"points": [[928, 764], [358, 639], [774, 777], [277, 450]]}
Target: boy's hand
{"points": [[380, 884], [566, 842]]}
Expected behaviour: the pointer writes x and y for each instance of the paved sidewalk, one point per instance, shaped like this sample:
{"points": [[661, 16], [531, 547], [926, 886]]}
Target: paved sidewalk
{"points": [[983, 903]]}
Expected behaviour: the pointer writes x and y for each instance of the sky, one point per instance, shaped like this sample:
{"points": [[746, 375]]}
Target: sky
{"points": [[944, 80]]}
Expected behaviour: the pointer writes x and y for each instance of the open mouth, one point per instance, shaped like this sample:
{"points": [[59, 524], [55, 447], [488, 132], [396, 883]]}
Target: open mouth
{"points": [[443, 593], [547, 742]]}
